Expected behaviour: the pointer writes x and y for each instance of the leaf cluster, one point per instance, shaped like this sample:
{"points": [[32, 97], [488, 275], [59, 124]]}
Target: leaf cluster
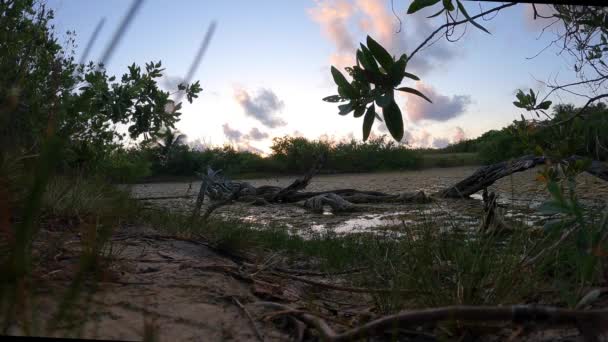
{"points": [[375, 79]]}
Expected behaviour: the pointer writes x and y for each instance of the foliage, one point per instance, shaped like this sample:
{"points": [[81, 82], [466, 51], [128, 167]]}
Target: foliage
{"points": [[375, 78], [125, 166], [40, 84], [290, 155]]}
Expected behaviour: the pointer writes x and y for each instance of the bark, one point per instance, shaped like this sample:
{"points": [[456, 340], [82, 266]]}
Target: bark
{"points": [[337, 203], [487, 175]]}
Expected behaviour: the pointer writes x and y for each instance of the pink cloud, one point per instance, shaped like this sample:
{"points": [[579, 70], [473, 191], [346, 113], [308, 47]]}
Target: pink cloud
{"points": [[459, 135]]}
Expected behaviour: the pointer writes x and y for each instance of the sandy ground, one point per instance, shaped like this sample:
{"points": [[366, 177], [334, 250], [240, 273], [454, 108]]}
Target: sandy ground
{"points": [[180, 289], [184, 290]]}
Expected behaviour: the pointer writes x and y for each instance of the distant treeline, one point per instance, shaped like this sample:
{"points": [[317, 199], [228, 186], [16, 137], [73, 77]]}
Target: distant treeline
{"points": [[170, 157], [585, 135], [290, 155]]}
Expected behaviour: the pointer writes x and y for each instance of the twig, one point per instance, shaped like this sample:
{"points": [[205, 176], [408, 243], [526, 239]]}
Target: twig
{"points": [[346, 288], [318, 274], [580, 112], [596, 319], [455, 23], [563, 238], [162, 197], [255, 328]]}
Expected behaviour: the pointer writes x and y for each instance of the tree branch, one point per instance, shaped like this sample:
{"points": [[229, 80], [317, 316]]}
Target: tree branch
{"points": [[596, 321], [456, 23]]}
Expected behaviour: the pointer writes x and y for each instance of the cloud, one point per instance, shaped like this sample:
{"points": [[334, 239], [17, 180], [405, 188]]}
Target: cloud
{"points": [[232, 134], [242, 141], [332, 17], [256, 134], [248, 148], [443, 107], [339, 21], [423, 139], [262, 106], [459, 135], [440, 142]]}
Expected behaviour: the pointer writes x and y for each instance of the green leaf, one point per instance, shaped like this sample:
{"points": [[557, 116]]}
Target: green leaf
{"points": [[412, 76], [345, 108], [359, 111], [382, 56], [448, 5], [368, 121], [415, 92], [417, 5], [393, 120], [532, 95], [544, 105], [333, 98], [385, 99], [466, 15], [397, 71], [342, 83], [518, 105], [367, 59]]}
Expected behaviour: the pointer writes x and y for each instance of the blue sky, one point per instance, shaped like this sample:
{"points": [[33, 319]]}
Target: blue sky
{"points": [[267, 66]]}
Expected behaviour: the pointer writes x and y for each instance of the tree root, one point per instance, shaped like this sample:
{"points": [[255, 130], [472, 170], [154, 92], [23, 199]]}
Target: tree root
{"points": [[593, 323]]}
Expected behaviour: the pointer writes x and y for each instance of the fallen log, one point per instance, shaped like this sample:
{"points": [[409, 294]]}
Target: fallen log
{"points": [[337, 203], [300, 183], [487, 175]]}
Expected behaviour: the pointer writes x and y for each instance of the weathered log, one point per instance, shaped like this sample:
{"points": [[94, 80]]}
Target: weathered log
{"points": [[337, 203], [492, 219], [487, 175], [300, 183], [358, 196]]}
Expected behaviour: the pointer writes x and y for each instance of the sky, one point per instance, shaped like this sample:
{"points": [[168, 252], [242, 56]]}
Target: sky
{"points": [[267, 66]]}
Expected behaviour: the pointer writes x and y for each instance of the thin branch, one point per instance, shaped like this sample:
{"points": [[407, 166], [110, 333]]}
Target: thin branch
{"points": [[580, 112], [255, 328], [396, 16], [558, 243], [346, 288], [593, 319], [456, 23]]}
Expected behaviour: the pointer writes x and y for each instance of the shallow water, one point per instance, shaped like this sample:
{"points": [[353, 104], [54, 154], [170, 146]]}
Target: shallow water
{"points": [[519, 195]]}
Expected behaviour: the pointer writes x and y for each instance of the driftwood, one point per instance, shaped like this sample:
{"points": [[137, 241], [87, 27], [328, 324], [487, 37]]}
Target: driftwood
{"points": [[337, 203], [487, 175], [222, 191], [492, 219]]}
